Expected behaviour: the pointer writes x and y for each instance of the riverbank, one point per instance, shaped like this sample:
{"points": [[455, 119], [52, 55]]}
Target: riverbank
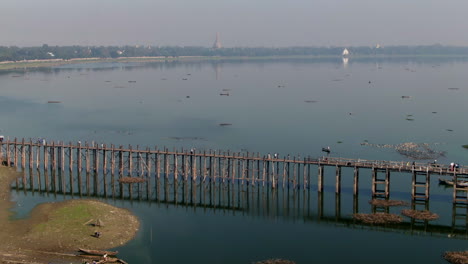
{"points": [[54, 231], [12, 65]]}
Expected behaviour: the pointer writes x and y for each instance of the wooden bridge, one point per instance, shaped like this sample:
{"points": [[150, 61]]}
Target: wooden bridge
{"points": [[233, 167]]}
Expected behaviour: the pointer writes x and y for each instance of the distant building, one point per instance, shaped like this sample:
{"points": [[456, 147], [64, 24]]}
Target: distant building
{"points": [[217, 43]]}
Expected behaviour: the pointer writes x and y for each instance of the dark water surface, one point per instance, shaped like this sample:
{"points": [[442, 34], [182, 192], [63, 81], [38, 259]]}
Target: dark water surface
{"points": [[290, 107]]}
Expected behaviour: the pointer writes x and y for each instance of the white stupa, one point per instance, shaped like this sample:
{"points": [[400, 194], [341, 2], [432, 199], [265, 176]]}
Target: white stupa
{"points": [[345, 52]]}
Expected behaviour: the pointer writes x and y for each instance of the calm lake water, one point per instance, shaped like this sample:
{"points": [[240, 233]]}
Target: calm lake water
{"points": [[289, 107]]}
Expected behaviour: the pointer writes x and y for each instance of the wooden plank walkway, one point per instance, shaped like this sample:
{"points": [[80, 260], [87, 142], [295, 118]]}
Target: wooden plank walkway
{"points": [[248, 168]]}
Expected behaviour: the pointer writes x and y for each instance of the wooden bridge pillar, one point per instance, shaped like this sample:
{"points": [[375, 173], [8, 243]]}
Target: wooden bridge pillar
{"points": [[15, 152], [338, 180], [459, 216], [8, 157], [320, 178], [356, 181], [376, 182], [23, 155], [416, 194], [31, 154], [78, 156], [1, 153], [460, 194]]}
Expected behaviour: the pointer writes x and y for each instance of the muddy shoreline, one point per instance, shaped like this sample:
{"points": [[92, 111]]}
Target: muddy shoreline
{"points": [[54, 231]]}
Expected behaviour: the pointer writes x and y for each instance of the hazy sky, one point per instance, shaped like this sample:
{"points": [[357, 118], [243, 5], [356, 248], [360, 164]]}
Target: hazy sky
{"points": [[270, 23]]}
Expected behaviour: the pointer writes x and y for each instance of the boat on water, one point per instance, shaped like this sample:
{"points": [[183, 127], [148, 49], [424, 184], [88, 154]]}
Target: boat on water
{"points": [[98, 252], [460, 183]]}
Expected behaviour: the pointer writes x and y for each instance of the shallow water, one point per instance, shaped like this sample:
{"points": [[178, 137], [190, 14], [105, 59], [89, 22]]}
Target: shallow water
{"points": [[178, 105]]}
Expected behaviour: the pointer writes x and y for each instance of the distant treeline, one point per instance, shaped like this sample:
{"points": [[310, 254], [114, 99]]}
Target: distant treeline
{"points": [[71, 52]]}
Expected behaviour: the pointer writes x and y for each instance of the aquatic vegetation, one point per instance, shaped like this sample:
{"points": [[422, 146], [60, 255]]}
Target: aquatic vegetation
{"points": [[421, 215], [378, 218], [418, 151]]}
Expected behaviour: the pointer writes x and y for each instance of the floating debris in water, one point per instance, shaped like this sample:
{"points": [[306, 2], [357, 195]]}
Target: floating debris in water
{"points": [[417, 151], [378, 218], [457, 257], [337, 80], [405, 96], [410, 119], [449, 130], [453, 88], [339, 142], [421, 215], [281, 86], [225, 124], [119, 87], [465, 146], [226, 90], [310, 101], [225, 94], [188, 96], [386, 203], [54, 102], [434, 112]]}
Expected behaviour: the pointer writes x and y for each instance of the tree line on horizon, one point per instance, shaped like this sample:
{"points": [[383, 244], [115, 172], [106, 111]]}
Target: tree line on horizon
{"points": [[14, 53]]}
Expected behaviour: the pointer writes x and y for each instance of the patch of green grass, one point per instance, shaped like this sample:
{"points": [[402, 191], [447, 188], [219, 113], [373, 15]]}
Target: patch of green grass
{"points": [[465, 146]]}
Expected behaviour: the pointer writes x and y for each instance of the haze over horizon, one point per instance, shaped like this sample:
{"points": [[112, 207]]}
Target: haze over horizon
{"points": [[267, 23]]}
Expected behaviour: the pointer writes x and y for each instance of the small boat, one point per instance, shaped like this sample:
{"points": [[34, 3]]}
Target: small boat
{"points": [[460, 183], [98, 252]]}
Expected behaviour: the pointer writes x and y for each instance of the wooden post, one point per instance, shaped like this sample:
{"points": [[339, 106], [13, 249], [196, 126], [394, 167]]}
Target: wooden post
{"points": [[356, 181], [194, 166], [70, 157], [31, 154], [130, 163], [96, 158], [8, 157], [264, 172], [1, 152], [104, 161], [121, 162], [428, 184], [38, 150], [148, 174], [338, 180], [62, 158], [113, 169], [304, 175], [158, 165], [320, 178], [374, 181], [15, 148], [166, 165], [23, 155], [46, 159], [176, 172], [387, 183], [78, 156], [88, 158], [413, 185]]}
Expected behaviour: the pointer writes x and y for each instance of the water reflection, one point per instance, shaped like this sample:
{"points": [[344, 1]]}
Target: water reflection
{"points": [[237, 197]]}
